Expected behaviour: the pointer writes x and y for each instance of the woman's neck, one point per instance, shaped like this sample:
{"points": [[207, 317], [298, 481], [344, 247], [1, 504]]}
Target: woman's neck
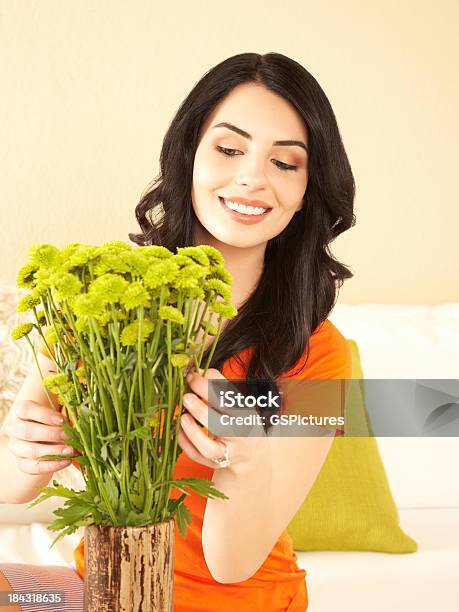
{"points": [[244, 264]]}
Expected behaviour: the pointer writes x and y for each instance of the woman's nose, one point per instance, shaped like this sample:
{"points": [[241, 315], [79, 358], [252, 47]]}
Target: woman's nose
{"points": [[252, 174]]}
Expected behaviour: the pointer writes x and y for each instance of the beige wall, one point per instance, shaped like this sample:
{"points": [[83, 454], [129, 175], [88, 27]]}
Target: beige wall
{"points": [[92, 86]]}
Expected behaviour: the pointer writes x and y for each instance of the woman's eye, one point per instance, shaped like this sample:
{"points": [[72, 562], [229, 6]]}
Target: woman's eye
{"points": [[226, 151], [279, 164]]}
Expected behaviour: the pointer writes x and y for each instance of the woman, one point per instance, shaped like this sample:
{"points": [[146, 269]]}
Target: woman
{"points": [[253, 164]]}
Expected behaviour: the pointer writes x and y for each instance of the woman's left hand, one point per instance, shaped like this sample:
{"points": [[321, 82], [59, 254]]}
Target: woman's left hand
{"points": [[197, 444]]}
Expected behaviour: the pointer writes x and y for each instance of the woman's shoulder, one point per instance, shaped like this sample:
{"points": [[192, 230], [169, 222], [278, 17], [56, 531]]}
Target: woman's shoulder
{"points": [[329, 354]]}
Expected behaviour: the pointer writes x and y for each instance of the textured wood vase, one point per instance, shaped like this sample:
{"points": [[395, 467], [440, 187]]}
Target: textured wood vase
{"points": [[129, 569]]}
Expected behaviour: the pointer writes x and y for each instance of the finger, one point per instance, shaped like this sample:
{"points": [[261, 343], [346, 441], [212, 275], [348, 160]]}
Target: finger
{"points": [[186, 445], [33, 411], [200, 384], [36, 432], [191, 451], [207, 447], [33, 466], [197, 408], [34, 450]]}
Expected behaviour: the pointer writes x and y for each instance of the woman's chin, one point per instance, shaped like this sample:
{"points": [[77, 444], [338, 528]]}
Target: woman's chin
{"points": [[237, 241]]}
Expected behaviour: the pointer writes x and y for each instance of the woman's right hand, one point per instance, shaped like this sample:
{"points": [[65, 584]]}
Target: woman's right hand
{"points": [[34, 430]]}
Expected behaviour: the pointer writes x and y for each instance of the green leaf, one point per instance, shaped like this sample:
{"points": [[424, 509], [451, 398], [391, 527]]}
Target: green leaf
{"points": [[111, 436], [82, 460], [173, 504], [201, 486], [112, 491], [57, 491], [184, 519], [144, 433], [137, 500], [86, 411], [74, 437], [116, 448], [73, 512], [123, 511], [50, 457], [137, 518], [71, 529]]}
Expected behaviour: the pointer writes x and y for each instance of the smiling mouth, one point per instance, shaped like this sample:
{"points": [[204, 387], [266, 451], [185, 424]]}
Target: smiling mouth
{"points": [[242, 210]]}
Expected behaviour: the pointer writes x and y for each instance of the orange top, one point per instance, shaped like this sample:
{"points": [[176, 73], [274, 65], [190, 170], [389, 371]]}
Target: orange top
{"points": [[279, 584]]}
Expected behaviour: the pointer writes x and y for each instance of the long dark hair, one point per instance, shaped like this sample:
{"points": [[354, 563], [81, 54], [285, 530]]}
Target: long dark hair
{"points": [[283, 311]]}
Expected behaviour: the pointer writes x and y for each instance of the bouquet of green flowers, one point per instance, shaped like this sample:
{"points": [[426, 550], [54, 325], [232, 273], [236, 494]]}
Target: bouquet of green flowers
{"points": [[121, 325]]}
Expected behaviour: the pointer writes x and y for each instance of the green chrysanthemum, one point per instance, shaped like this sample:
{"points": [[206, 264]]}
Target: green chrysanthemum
{"points": [[193, 293], [155, 251], [194, 271], [65, 285], [103, 319], [134, 296], [189, 276], [41, 317], [109, 287], [138, 263], [80, 374], [25, 277], [76, 255], [43, 255], [130, 334], [169, 313], [69, 397], [68, 250], [50, 335], [213, 254], [21, 330], [180, 360], [220, 288], [185, 282], [222, 274], [227, 311], [117, 245], [43, 280], [173, 295], [197, 254], [82, 325], [90, 305], [57, 383], [28, 302], [161, 274], [212, 331], [111, 262], [183, 260]]}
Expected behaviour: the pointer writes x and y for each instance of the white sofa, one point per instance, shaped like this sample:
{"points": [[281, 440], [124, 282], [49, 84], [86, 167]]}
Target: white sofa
{"points": [[401, 342], [394, 342]]}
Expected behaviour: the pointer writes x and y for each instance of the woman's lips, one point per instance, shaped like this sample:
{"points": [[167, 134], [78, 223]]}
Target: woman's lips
{"points": [[241, 217]]}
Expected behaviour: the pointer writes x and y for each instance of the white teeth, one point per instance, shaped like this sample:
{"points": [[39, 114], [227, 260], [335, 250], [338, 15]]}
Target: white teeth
{"points": [[247, 210]]}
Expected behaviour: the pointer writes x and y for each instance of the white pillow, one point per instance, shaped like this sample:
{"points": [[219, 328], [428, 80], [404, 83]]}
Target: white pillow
{"points": [[406, 341]]}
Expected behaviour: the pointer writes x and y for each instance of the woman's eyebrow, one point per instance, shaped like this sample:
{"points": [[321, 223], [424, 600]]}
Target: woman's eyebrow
{"points": [[286, 143]]}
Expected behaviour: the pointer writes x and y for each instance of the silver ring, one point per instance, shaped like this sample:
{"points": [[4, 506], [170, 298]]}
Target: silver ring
{"points": [[223, 461]]}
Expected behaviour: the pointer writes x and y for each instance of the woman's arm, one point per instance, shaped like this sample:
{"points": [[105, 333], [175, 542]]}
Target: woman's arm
{"points": [[264, 495], [266, 482]]}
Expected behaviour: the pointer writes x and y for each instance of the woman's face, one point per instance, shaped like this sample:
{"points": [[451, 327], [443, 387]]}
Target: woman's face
{"points": [[250, 166]]}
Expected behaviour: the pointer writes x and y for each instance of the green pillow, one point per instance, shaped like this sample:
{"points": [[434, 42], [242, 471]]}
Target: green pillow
{"points": [[350, 505]]}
